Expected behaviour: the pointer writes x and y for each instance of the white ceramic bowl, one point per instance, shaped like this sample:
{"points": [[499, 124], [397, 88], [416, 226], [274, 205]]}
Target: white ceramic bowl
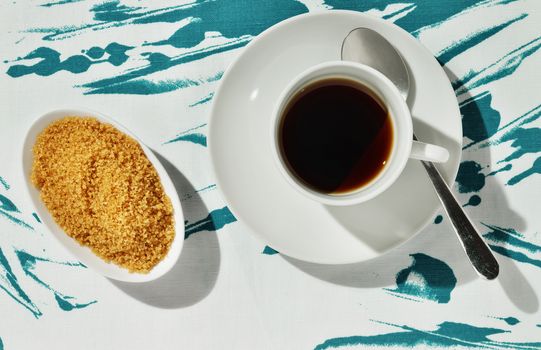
{"points": [[82, 253]]}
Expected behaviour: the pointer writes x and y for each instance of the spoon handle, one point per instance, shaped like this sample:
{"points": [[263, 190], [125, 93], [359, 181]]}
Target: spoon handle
{"points": [[475, 247]]}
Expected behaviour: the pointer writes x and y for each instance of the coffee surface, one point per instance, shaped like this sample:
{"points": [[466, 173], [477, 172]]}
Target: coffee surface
{"points": [[335, 135]]}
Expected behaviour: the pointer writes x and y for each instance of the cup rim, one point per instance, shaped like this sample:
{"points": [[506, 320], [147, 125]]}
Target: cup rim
{"points": [[389, 95]]}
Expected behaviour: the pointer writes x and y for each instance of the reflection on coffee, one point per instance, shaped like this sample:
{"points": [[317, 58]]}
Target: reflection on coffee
{"points": [[335, 135]]}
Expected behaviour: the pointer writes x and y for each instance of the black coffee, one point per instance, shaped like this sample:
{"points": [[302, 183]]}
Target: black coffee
{"points": [[335, 135]]}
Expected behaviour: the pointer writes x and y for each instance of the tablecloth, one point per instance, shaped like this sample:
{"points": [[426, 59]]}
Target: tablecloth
{"points": [[154, 67]]}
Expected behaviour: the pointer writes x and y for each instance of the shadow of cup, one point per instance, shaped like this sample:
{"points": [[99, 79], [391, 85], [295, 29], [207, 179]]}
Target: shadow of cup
{"points": [[438, 241]]}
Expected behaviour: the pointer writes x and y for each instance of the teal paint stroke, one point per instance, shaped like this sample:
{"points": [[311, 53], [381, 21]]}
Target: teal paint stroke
{"points": [[535, 169], [523, 140], [111, 14], [9, 283], [512, 321], [216, 220], [192, 136], [190, 195], [425, 13], [503, 67], [512, 244], [229, 17], [7, 205], [438, 219], [4, 183], [50, 63], [524, 119], [447, 335], [400, 12], [145, 87], [427, 278], [65, 302], [269, 251], [129, 82], [95, 52], [60, 2], [8, 209], [464, 44], [474, 201], [518, 133], [1, 344], [36, 217], [480, 120], [507, 167], [203, 100], [469, 177]]}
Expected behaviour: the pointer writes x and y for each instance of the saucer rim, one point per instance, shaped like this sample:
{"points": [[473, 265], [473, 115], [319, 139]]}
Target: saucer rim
{"points": [[449, 179]]}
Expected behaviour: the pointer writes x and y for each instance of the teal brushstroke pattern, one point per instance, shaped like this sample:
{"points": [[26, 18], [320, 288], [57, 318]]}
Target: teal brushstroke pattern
{"points": [[509, 320], [192, 136], [36, 217], [228, 17], [60, 2], [1, 344], [4, 183], [503, 67], [238, 26], [447, 335], [481, 123], [50, 63], [269, 251], [65, 302], [506, 167], [128, 83], [438, 219], [470, 177], [147, 87], [8, 209], [480, 120], [427, 278], [474, 39], [216, 220], [474, 201], [535, 169], [424, 12], [203, 16], [10, 284], [7, 205], [512, 244], [9, 281], [204, 100], [524, 141]]}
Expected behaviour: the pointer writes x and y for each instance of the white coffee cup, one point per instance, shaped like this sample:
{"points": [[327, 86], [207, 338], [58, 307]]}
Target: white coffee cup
{"points": [[404, 147]]}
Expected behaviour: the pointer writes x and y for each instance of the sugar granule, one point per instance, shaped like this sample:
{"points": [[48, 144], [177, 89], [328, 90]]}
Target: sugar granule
{"points": [[102, 190]]}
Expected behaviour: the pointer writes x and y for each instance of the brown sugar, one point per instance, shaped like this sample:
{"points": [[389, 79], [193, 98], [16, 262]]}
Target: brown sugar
{"points": [[103, 191]]}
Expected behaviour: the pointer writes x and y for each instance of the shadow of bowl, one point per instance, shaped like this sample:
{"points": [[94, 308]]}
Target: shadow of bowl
{"points": [[194, 275]]}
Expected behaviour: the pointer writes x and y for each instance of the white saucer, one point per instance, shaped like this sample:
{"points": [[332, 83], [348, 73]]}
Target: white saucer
{"points": [[257, 193]]}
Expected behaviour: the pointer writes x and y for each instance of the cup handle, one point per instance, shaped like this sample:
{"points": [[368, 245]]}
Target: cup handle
{"points": [[428, 152]]}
